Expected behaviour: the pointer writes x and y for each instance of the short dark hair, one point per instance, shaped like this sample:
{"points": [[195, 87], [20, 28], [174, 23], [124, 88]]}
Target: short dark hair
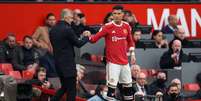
{"points": [[49, 14], [155, 32], [27, 36], [118, 7], [41, 69]]}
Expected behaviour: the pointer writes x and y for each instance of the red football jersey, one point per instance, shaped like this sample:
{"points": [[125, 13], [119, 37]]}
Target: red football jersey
{"points": [[118, 41]]}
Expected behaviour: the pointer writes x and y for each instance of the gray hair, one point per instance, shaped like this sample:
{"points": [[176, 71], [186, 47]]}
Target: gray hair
{"points": [[65, 12]]}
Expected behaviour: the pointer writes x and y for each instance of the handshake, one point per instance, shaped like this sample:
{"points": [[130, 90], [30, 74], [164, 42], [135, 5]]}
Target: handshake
{"points": [[86, 33]]}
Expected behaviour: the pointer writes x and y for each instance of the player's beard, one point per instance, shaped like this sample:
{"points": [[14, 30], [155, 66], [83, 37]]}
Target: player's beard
{"points": [[118, 22]]}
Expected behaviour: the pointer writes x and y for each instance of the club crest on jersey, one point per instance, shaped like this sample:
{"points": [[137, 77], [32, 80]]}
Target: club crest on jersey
{"points": [[113, 32], [125, 31]]}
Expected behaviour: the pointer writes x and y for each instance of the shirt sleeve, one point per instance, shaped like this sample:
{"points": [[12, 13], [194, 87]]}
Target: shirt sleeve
{"points": [[74, 39], [102, 32]]}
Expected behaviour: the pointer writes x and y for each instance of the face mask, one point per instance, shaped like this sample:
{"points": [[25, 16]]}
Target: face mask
{"points": [[104, 94], [173, 95], [161, 81]]}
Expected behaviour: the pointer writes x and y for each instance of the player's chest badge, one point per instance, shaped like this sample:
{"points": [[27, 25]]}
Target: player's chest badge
{"points": [[125, 31], [113, 32]]}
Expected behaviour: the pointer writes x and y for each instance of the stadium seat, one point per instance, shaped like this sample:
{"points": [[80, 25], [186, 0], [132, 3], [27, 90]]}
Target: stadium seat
{"points": [[194, 100], [192, 87], [152, 72], [15, 74], [145, 71], [93, 58], [27, 75], [6, 68], [99, 58]]}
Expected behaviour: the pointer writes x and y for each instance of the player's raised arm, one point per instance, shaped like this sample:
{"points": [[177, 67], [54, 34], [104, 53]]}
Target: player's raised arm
{"points": [[102, 32]]}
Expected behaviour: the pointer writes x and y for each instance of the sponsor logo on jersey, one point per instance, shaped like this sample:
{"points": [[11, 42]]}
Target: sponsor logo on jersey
{"points": [[115, 38]]}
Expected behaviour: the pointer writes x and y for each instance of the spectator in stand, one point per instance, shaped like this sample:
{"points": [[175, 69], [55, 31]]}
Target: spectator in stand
{"points": [[26, 57], [197, 95], [136, 38], [140, 87], [10, 45], [79, 23], [160, 42], [101, 93], [41, 35], [179, 34], [172, 26], [158, 86], [108, 18], [40, 79], [172, 58], [135, 70], [173, 93], [130, 18], [42, 42], [81, 89], [178, 82]]}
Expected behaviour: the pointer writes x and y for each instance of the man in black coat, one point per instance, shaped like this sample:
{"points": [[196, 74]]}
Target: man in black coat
{"points": [[63, 40], [25, 57], [10, 45], [173, 94], [173, 57], [159, 84], [140, 87], [179, 34]]}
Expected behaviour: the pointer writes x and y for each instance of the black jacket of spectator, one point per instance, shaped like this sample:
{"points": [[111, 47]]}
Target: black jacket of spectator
{"points": [[63, 39], [167, 30], [9, 52], [156, 86], [37, 83], [23, 57], [79, 29], [2, 53], [139, 44], [185, 43], [155, 46], [136, 89], [166, 62]]}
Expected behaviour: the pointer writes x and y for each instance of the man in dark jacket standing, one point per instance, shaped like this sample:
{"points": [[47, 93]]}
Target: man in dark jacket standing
{"points": [[63, 40]]}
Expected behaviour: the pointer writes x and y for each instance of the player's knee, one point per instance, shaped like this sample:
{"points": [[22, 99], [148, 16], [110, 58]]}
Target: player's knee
{"points": [[127, 92]]}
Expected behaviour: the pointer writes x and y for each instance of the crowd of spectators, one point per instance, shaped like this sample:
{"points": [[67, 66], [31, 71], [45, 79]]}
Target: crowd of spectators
{"points": [[36, 51]]}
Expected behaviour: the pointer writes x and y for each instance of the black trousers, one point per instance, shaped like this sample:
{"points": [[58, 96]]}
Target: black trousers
{"points": [[68, 86]]}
